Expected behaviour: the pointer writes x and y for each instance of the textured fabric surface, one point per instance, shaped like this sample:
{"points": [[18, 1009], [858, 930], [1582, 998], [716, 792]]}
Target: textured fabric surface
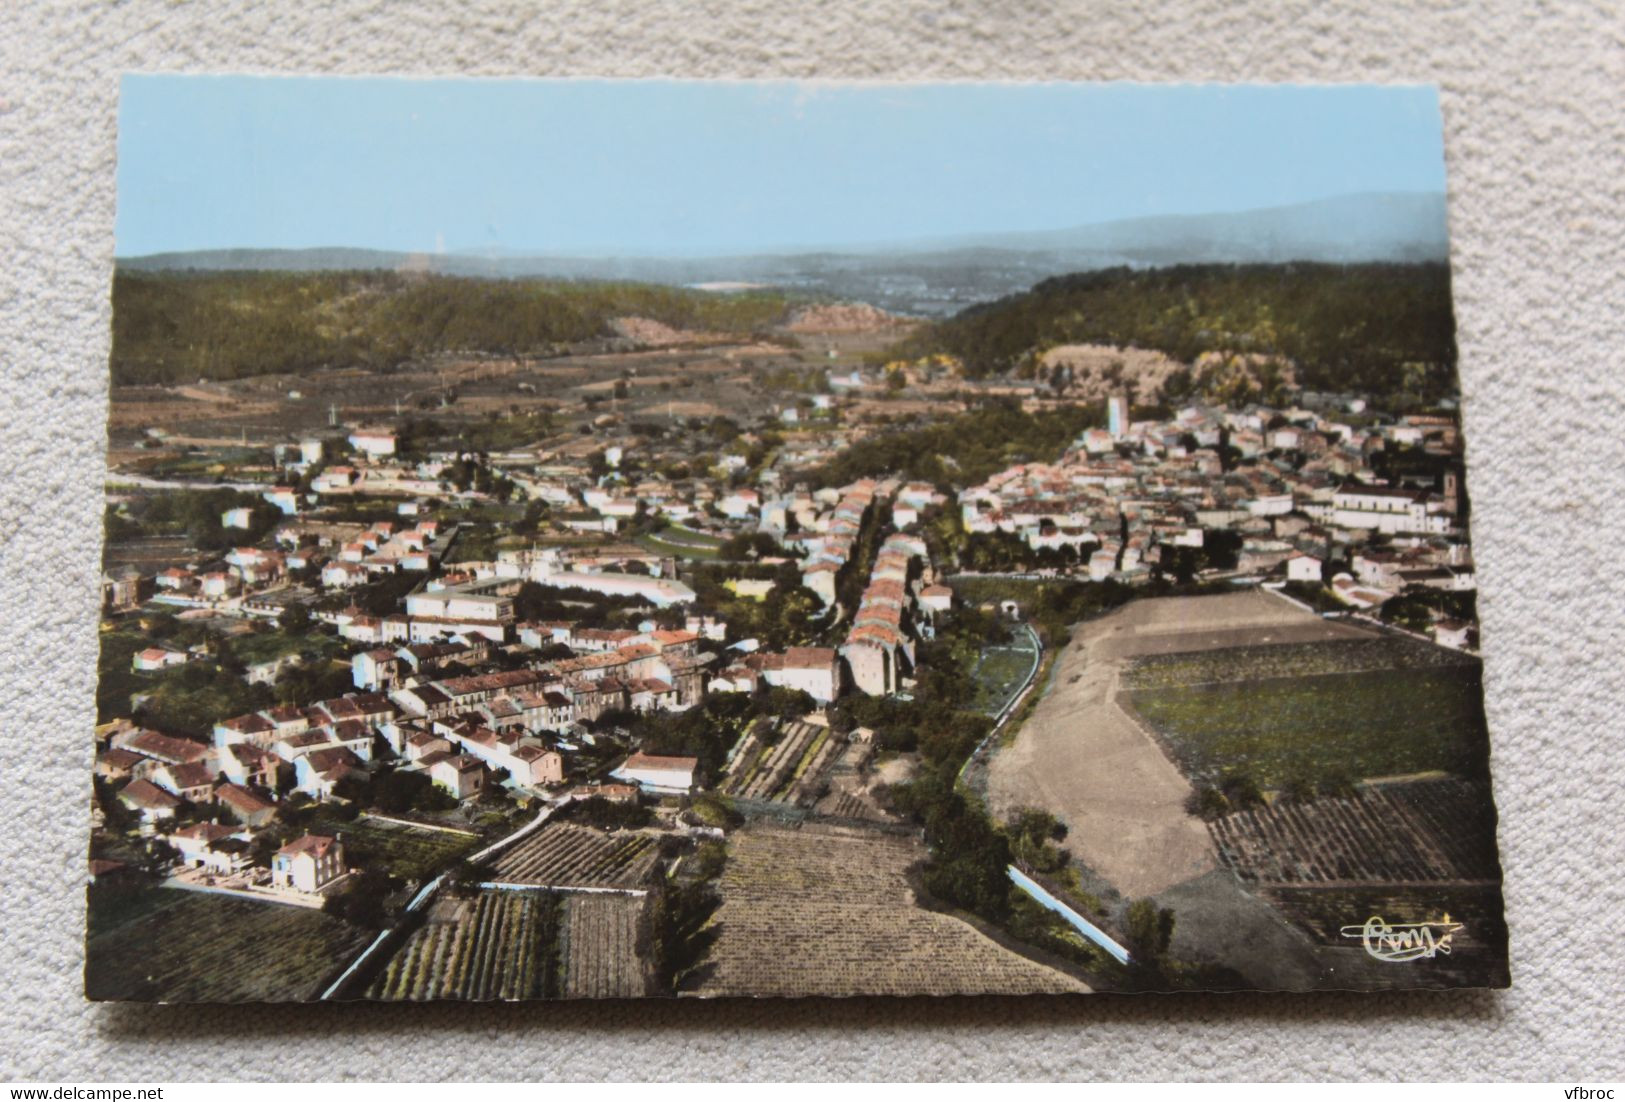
{"points": [[1534, 135]]}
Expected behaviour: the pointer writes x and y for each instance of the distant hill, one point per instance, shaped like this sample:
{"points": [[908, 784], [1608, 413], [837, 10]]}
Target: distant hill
{"points": [[177, 326], [1373, 226], [1385, 329], [937, 277]]}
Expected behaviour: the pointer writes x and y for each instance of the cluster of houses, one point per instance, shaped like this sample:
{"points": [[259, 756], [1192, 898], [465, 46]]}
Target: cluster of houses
{"points": [[1295, 486], [453, 685], [430, 695]]}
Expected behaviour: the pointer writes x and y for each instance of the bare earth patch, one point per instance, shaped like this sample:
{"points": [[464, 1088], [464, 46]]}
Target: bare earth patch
{"points": [[828, 911]]}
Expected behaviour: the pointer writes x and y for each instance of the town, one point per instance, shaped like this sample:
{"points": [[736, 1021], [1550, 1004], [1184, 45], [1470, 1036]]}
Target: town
{"points": [[501, 692]]}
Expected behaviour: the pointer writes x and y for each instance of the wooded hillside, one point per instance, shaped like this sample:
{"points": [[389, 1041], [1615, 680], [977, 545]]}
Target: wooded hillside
{"points": [[1381, 328], [182, 326]]}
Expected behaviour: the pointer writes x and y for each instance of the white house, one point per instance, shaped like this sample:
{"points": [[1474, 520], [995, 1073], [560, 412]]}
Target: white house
{"points": [[242, 517], [373, 442], [158, 658], [1303, 567], [816, 671], [1456, 634], [1389, 509], [213, 847], [462, 775], [285, 498], [375, 670], [341, 575], [217, 584], [658, 773], [148, 800], [740, 504], [1270, 505], [308, 863]]}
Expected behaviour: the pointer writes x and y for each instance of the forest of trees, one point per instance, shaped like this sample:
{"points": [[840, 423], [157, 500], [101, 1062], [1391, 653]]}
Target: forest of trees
{"points": [[1386, 329], [181, 326], [962, 450]]}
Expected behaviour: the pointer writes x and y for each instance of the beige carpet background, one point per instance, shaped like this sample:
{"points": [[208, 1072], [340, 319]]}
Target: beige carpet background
{"points": [[1534, 137]]}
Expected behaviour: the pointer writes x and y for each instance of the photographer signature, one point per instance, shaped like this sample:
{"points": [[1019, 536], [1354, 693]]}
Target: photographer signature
{"points": [[1403, 941]]}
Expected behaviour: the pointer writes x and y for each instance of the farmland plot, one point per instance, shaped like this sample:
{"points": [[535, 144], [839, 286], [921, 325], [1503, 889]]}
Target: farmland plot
{"points": [[599, 947], [1254, 663], [1000, 671], [411, 853], [495, 945], [1368, 724], [564, 855], [1425, 832], [790, 772], [1082, 757], [828, 911], [204, 947], [1419, 851]]}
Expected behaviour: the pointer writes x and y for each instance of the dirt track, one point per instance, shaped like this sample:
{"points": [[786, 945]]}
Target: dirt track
{"points": [[1081, 758]]}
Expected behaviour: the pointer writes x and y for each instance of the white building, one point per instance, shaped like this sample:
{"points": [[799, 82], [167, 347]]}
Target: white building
{"points": [[1303, 567], [308, 863], [815, 671], [158, 658], [658, 773], [1389, 509], [373, 442], [1117, 415], [284, 498]]}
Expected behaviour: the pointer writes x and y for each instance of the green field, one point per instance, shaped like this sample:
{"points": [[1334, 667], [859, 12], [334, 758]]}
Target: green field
{"points": [[1246, 664], [1315, 728], [266, 646], [201, 947], [410, 853], [496, 945], [682, 542]]}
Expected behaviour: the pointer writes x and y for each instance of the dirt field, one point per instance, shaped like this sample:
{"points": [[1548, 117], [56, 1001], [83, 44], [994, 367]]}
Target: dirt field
{"points": [[828, 911], [698, 375], [1081, 758]]}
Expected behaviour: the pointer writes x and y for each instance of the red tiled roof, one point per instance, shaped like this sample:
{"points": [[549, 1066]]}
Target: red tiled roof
{"points": [[641, 760], [242, 800], [165, 748], [809, 658], [314, 844], [148, 795], [192, 774]]}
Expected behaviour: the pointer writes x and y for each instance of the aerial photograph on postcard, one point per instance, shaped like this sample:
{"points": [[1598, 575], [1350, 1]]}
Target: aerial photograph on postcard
{"points": [[607, 539]]}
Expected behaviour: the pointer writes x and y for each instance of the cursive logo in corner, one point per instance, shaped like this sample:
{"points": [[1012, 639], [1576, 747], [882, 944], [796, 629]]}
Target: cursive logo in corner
{"points": [[1403, 941]]}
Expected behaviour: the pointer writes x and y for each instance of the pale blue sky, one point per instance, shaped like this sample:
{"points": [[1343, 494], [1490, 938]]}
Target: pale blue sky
{"points": [[602, 168]]}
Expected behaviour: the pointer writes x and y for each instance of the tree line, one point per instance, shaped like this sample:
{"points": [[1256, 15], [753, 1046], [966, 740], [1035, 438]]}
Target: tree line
{"points": [[1385, 329], [171, 327], [962, 450]]}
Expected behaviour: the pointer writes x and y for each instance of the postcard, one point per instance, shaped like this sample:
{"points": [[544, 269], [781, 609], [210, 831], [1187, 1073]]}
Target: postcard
{"points": [[610, 539]]}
